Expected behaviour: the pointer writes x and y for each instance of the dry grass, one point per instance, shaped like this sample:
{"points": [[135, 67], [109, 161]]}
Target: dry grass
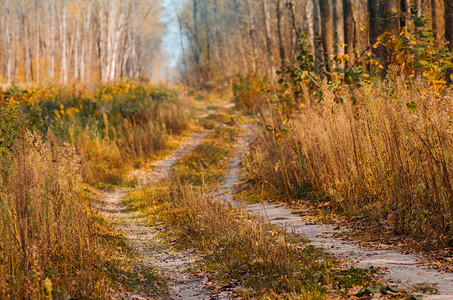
{"points": [[46, 245], [206, 164], [244, 252], [52, 244], [384, 155], [107, 157], [112, 127]]}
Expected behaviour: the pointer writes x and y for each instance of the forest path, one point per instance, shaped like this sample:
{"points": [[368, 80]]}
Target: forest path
{"points": [[152, 251], [400, 269]]}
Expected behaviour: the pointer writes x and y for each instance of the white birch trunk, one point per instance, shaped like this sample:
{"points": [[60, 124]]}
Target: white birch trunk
{"points": [[64, 35], [85, 41], [8, 43], [103, 57], [52, 40], [76, 49], [116, 40], [37, 41]]}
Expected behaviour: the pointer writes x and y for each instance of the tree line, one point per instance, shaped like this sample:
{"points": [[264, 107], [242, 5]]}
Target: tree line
{"points": [[78, 40], [230, 36]]}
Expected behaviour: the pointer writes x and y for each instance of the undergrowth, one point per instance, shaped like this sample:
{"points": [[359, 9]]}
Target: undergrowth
{"points": [[241, 251], [376, 151], [52, 142], [111, 127], [384, 159], [48, 243]]}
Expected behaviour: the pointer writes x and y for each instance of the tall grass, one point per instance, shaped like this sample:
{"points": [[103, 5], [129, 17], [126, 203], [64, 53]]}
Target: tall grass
{"points": [[383, 153], [46, 245], [53, 141]]}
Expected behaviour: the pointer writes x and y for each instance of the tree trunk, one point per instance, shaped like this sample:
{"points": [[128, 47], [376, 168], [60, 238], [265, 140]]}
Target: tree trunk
{"points": [[296, 31], [418, 4], [85, 41], [37, 41], [449, 23], [16, 50], [449, 32], [52, 41], [319, 58], [8, 43], [64, 36], [25, 40], [280, 38], [438, 15], [267, 34], [339, 28], [195, 29], [251, 29], [310, 25], [118, 27], [76, 50], [181, 41], [361, 17], [427, 10], [327, 31], [350, 32], [102, 60]]}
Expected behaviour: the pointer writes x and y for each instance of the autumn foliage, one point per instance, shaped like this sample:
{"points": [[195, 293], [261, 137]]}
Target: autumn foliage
{"points": [[53, 141], [376, 151]]}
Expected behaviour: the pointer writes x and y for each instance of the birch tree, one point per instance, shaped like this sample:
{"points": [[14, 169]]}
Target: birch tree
{"points": [[78, 40]]}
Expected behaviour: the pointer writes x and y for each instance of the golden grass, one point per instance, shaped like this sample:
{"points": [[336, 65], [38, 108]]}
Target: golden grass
{"points": [[383, 154], [108, 156], [259, 260], [53, 244], [46, 246], [206, 164]]}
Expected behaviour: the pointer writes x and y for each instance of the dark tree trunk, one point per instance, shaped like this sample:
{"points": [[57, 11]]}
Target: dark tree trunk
{"points": [[327, 30], [339, 29], [349, 28], [449, 31], [438, 14], [195, 30], [449, 23]]}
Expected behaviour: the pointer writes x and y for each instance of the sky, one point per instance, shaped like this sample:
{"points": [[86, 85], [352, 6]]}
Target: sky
{"points": [[171, 39]]}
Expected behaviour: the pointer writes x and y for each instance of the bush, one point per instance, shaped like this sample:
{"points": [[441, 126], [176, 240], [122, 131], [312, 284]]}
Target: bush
{"points": [[111, 127]]}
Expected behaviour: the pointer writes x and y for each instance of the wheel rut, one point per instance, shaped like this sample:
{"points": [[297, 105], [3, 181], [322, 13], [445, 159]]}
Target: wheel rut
{"points": [[400, 269], [153, 252]]}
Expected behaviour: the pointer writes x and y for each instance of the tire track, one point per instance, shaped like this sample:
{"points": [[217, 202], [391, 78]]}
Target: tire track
{"points": [[152, 251], [401, 269]]}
